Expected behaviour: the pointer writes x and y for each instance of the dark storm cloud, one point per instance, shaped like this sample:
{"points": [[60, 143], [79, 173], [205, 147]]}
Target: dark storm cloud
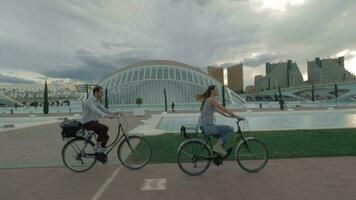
{"points": [[93, 68], [85, 40]]}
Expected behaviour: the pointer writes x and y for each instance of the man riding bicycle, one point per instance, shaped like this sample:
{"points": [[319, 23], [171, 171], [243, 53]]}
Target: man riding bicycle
{"points": [[92, 111]]}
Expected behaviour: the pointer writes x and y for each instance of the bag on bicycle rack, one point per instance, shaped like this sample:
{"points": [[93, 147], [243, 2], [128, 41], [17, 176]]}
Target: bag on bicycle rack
{"points": [[70, 127]]}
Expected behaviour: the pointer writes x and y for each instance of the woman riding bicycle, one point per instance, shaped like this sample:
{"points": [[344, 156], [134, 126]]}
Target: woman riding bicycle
{"points": [[207, 122]]}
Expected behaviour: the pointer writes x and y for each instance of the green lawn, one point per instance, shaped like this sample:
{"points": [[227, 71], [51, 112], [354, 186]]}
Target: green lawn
{"points": [[281, 144]]}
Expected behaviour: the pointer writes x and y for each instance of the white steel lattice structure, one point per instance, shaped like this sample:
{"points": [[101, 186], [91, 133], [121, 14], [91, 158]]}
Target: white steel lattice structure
{"points": [[35, 91]]}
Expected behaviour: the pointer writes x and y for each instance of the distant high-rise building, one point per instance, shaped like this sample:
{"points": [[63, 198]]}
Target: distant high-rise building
{"points": [[261, 83], [217, 73], [328, 70], [285, 74], [249, 89], [235, 78]]}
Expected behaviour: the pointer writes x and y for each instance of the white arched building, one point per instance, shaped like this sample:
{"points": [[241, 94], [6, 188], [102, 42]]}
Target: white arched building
{"points": [[148, 80]]}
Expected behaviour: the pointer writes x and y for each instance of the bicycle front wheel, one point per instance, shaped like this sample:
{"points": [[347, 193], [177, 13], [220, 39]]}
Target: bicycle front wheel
{"points": [[252, 155], [134, 152], [78, 155], [193, 157]]}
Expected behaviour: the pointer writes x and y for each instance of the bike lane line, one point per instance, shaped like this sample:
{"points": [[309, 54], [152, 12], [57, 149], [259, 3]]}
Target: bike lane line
{"points": [[105, 185]]}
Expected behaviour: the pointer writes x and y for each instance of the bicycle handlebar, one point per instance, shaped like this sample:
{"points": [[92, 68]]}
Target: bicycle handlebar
{"points": [[121, 116], [238, 120]]}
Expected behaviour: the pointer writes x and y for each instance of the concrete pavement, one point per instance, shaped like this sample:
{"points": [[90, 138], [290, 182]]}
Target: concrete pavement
{"points": [[292, 179], [40, 146]]}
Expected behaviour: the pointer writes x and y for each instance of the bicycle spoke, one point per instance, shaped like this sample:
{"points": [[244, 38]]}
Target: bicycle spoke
{"points": [[186, 153], [73, 146]]}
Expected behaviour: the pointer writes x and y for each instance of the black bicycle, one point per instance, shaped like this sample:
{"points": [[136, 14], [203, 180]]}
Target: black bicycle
{"points": [[134, 151], [195, 155]]}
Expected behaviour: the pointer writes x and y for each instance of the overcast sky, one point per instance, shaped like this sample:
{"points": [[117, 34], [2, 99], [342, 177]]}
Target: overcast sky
{"points": [[87, 39]]}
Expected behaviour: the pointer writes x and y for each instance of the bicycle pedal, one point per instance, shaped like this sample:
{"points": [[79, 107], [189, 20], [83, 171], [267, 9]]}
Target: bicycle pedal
{"points": [[101, 157], [103, 161], [218, 160]]}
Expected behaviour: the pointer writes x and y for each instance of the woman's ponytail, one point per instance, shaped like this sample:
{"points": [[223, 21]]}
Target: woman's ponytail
{"points": [[205, 95]]}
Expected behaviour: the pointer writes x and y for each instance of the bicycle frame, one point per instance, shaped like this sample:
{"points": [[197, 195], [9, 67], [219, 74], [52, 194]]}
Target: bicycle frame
{"points": [[118, 138], [198, 153], [231, 146]]}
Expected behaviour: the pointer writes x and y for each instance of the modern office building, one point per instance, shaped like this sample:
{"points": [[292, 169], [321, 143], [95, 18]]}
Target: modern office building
{"points": [[149, 79], [328, 70], [284, 74], [217, 73], [235, 78], [249, 89]]}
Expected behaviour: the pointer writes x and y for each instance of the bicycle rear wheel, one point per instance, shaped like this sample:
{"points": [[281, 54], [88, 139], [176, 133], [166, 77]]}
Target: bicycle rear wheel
{"points": [[78, 155], [134, 152], [193, 157], [252, 155]]}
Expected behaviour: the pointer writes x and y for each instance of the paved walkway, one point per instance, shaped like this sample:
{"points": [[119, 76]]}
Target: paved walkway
{"points": [[40, 146], [299, 179]]}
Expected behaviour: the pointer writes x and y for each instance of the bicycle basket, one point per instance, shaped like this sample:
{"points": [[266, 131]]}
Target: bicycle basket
{"points": [[70, 127], [189, 131]]}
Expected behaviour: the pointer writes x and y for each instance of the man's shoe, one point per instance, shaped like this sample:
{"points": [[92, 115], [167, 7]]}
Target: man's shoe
{"points": [[99, 149]]}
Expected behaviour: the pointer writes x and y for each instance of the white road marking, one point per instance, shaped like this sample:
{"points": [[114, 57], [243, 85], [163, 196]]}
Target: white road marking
{"points": [[105, 185], [154, 184]]}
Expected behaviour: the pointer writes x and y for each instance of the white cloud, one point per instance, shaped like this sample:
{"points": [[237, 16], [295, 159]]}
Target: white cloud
{"points": [[278, 5]]}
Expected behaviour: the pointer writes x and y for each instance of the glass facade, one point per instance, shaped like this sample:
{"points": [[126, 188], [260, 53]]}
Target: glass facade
{"points": [[148, 80]]}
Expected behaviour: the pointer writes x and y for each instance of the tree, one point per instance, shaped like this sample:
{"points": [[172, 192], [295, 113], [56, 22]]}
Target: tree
{"points": [[138, 101], [45, 101]]}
